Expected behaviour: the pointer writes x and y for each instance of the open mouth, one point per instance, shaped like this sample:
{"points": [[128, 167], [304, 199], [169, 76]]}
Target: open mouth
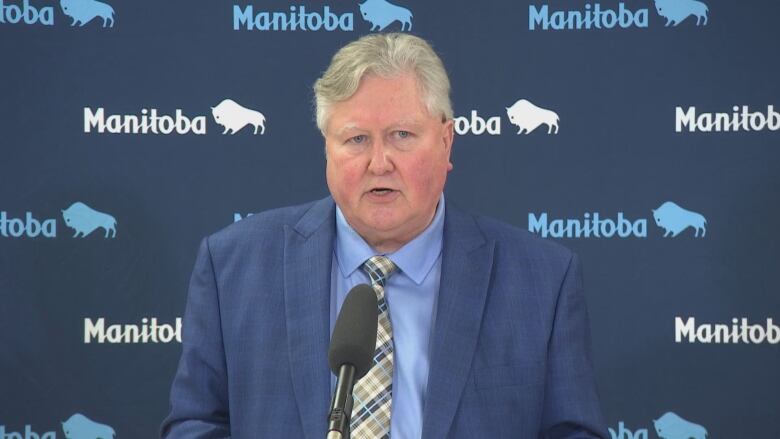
{"points": [[381, 191]]}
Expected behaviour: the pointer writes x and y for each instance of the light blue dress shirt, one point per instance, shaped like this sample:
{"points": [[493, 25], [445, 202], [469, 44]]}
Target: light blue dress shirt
{"points": [[411, 294]]}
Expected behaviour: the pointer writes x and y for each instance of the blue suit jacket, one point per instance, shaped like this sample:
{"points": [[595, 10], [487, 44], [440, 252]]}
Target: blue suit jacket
{"points": [[510, 355]]}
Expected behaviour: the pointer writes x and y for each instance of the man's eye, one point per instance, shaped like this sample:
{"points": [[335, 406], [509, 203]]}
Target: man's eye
{"points": [[357, 139], [404, 134]]}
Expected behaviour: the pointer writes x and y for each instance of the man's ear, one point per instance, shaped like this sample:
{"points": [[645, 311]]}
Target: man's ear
{"points": [[448, 137]]}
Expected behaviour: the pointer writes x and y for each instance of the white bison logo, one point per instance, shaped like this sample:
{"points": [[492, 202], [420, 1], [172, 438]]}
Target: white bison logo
{"points": [[233, 117], [528, 117]]}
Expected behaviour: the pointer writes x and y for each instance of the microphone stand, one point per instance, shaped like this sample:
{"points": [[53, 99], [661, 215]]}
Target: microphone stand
{"points": [[341, 406]]}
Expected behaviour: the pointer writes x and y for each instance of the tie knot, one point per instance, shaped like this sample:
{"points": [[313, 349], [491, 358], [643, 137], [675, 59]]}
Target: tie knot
{"points": [[379, 268]]}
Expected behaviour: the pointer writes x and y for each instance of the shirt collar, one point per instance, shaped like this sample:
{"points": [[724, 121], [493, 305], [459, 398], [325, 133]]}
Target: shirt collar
{"points": [[415, 258]]}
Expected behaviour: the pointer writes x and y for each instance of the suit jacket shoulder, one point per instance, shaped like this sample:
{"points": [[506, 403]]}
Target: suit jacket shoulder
{"points": [[515, 243], [263, 232]]}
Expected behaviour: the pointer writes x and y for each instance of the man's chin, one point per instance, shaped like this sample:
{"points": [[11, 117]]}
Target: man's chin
{"points": [[374, 230], [381, 229]]}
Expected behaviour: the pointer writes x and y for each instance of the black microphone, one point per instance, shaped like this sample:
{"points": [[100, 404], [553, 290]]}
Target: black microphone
{"points": [[351, 353]]}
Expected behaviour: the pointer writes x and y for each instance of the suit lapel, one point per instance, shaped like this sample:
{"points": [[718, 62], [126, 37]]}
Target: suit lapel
{"points": [[307, 265], [467, 260]]}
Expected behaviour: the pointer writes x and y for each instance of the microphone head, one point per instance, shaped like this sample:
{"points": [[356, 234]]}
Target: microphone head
{"points": [[354, 335]]}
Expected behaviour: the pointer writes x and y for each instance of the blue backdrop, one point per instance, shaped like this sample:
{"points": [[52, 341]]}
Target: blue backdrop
{"points": [[649, 145]]}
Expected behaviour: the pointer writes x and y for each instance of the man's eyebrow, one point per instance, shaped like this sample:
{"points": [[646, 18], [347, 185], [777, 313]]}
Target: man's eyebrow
{"points": [[349, 126], [353, 126]]}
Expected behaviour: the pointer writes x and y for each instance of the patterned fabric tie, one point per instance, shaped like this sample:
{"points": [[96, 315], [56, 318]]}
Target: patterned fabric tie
{"points": [[373, 393]]}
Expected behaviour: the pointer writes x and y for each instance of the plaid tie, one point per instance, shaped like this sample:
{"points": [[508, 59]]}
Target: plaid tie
{"points": [[373, 393]]}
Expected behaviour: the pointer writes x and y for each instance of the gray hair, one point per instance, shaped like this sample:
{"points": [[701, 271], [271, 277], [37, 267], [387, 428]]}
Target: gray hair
{"points": [[386, 55]]}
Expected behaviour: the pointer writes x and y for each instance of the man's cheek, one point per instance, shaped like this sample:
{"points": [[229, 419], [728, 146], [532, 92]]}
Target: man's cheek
{"points": [[424, 172], [351, 176]]}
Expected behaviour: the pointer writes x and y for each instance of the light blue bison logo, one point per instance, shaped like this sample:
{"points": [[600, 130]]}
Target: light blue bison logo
{"points": [[671, 426], [79, 426], [674, 219], [84, 220], [380, 13], [83, 11], [675, 11]]}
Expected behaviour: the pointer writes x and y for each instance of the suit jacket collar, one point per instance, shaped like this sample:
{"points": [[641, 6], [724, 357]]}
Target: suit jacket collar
{"points": [[467, 259], [308, 253]]}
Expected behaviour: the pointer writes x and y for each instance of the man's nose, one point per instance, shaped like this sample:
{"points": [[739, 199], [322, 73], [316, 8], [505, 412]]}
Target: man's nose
{"points": [[381, 160]]}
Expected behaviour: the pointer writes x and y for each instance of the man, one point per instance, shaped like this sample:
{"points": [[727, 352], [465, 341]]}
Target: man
{"points": [[486, 324]]}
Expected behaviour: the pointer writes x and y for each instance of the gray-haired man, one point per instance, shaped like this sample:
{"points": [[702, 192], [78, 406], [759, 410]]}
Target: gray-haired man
{"points": [[486, 332]]}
